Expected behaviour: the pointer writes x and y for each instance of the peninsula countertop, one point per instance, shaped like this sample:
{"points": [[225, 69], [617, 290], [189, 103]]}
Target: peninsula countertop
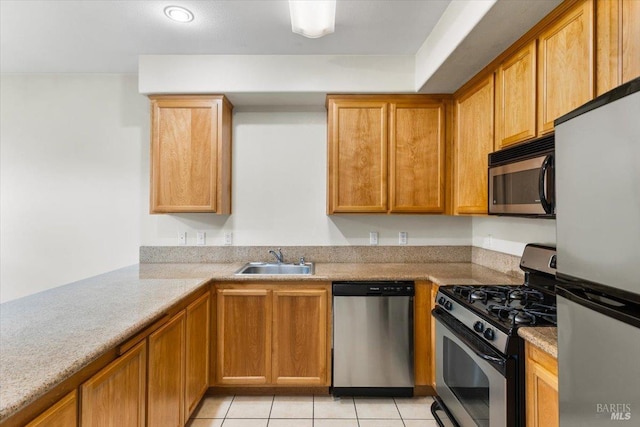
{"points": [[47, 337]]}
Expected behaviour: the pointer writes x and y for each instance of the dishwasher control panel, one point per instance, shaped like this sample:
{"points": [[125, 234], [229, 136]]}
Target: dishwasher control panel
{"points": [[386, 288]]}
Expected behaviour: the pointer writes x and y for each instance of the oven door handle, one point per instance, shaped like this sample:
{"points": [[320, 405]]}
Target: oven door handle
{"points": [[471, 341], [546, 164]]}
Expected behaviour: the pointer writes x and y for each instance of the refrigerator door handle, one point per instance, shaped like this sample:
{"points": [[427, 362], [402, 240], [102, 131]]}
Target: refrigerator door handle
{"points": [[621, 309], [544, 169]]}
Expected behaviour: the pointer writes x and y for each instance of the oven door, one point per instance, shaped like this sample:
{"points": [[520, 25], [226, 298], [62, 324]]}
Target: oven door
{"points": [[470, 375], [523, 188]]}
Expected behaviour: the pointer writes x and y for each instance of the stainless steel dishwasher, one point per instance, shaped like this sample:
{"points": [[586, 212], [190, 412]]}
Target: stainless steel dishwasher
{"points": [[373, 338]]}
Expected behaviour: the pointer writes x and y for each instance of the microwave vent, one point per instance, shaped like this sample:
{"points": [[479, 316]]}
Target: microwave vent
{"points": [[522, 151]]}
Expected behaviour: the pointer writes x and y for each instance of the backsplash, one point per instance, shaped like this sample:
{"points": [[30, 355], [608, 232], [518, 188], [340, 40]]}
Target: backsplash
{"points": [[504, 263]]}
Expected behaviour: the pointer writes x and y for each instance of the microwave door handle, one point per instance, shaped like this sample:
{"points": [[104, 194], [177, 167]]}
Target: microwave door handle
{"points": [[548, 161]]}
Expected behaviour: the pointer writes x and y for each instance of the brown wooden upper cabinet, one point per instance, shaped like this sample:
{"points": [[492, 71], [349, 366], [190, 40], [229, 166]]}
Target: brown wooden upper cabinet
{"points": [[617, 46], [386, 154], [473, 141], [516, 98], [190, 154], [565, 65]]}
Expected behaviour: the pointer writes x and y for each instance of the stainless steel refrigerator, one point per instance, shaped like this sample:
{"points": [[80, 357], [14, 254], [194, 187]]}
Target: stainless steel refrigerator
{"points": [[598, 247]]}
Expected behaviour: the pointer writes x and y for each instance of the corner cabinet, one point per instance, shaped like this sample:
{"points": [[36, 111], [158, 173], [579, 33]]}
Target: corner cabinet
{"points": [[165, 398], [198, 322], [190, 154], [273, 334], [473, 141], [116, 395], [63, 414], [566, 65], [541, 388], [386, 154]]}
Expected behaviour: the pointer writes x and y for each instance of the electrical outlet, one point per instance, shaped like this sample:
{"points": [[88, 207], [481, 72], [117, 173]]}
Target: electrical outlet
{"points": [[228, 238], [201, 238], [402, 237], [182, 238], [373, 238]]}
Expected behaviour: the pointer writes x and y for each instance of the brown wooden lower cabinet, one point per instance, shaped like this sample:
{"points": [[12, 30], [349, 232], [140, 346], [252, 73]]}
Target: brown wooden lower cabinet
{"points": [[165, 394], [542, 388], [196, 352], [300, 337], [115, 396], [422, 334], [273, 334], [63, 414]]}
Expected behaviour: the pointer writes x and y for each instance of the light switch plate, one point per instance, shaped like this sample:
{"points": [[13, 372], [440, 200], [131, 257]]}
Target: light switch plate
{"points": [[373, 238], [201, 238], [182, 238], [402, 237], [228, 238]]}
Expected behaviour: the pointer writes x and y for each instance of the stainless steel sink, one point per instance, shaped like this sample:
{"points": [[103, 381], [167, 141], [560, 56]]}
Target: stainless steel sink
{"points": [[275, 269]]}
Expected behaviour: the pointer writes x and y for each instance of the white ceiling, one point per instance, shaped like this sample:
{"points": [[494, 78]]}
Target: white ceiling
{"points": [[108, 35], [75, 36]]}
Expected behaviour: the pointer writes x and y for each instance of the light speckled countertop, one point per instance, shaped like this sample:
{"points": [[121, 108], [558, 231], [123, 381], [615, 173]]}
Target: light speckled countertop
{"points": [[47, 337], [545, 337]]}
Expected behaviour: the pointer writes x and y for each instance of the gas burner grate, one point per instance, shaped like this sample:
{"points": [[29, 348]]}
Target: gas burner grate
{"points": [[528, 315]]}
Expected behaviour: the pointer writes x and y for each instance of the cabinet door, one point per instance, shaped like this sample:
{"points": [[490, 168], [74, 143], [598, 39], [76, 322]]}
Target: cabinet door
{"points": [[541, 389], [472, 144], [190, 149], [63, 414], [422, 334], [566, 65], [197, 352], [434, 293], [243, 336], [115, 396], [357, 156], [516, 98], [300, 337], [166, 374], [630, 40], [417, 144], [617, 47]]}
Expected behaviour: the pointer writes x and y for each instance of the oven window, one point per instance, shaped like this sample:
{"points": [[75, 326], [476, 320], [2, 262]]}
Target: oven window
{"points": [[467, 381], [516, 188]]}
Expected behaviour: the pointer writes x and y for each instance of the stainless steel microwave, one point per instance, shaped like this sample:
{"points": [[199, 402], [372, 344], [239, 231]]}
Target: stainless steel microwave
{"points": [[522, 179]]}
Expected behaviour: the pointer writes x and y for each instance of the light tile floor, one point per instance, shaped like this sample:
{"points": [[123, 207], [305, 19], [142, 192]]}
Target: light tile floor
{"points": [[312, 411]]}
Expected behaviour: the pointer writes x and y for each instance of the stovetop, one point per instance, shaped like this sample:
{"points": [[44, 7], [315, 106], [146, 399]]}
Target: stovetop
{"points": [[509, 306], [495, 312]]}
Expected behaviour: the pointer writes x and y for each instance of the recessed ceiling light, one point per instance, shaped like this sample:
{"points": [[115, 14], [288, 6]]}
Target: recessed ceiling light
{"points": [[178, 14]]}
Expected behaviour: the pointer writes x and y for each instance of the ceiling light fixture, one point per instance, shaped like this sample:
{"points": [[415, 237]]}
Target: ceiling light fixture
{"points": [[313, 18], [178, 14]]}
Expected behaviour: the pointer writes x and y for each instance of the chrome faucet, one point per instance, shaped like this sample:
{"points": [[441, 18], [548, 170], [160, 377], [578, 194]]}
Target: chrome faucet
{"points": [[278, 255]]}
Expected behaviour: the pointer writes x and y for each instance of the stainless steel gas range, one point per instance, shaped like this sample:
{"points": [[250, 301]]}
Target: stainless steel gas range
{"points": [[479, 355]]}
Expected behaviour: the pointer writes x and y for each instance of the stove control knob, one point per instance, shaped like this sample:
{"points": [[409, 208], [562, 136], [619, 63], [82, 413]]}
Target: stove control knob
{"points": [[448, 305], [489, 334], [441, 301], [478, 326]]}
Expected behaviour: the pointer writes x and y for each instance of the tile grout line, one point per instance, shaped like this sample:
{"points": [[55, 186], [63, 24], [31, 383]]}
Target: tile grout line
{"points": [[395, 402]]}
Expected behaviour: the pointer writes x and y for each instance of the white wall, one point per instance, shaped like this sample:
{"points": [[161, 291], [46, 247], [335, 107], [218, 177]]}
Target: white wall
{"points": [[279, 194], [71, 159], [509, 235], [75, 186]]}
